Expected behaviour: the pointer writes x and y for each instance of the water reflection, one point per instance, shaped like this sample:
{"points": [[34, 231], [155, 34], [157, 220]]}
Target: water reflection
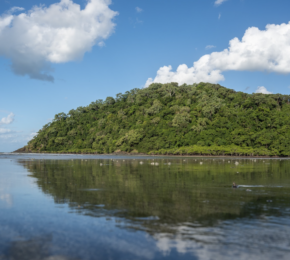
{"points": [[184, 191], [245, 240], [6, 199], [37, 248], [187, 206]]}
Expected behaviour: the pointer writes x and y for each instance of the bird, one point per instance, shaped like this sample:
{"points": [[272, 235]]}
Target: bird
{"points": [[235, 185]]}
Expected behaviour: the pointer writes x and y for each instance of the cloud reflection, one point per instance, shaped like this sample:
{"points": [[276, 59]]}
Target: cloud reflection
{"points": [[7, 199], [259, 238]]}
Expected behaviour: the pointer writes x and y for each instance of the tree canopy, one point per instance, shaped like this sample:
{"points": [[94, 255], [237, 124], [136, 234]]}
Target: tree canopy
{"points": [[170, 119]]}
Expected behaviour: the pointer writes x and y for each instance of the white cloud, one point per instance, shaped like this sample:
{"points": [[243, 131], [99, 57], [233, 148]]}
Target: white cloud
{"points": [[259, 50], [30, 136], [59, 33], [210, 47], [7, 120], [101, 44], [219, 16], [5, 21], [4, 130], [219, 2], [138, 9], [15, 9], [263, 90], [9, 137]]}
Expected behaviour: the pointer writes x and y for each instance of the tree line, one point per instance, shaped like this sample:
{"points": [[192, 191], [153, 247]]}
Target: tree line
{"points": [[201, 118]]}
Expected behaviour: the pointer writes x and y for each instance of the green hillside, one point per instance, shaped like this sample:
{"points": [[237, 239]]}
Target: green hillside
{"points": [[170, 119]]}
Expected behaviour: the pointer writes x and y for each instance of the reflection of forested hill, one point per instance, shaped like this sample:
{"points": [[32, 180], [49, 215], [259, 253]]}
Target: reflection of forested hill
{"points": [[201, 118], [182, 192]]}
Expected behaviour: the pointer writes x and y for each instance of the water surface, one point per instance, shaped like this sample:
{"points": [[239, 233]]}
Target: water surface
{"points": [[120, 207]]}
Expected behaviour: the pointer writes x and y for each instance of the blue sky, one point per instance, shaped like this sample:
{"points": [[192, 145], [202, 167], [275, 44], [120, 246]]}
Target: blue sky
{"points": [[129, 43]]}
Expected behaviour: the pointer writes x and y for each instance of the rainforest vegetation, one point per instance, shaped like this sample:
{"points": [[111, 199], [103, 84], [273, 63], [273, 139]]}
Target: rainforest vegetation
{"points": [[198, 119]]}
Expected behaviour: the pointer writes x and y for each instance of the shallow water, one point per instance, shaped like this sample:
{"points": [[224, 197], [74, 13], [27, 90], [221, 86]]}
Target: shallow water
{"points": [[119, 207]]}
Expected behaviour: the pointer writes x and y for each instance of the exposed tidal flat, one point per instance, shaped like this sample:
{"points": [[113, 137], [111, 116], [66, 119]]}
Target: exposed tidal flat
{"points": [[143, 207]]}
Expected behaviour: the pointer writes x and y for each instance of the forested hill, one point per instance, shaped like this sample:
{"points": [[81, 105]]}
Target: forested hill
{"points": [[170, 119]]}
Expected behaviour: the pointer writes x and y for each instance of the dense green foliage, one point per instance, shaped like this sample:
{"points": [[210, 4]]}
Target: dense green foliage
{"points": [[201, 118]]}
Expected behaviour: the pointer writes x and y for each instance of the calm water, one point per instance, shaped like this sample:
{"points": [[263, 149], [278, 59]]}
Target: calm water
{"points": [[114, 207]]}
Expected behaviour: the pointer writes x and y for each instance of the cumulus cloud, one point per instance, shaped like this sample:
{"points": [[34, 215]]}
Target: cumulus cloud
{"points": [[7, 120], [138, 9], [219, 2], [263, 90], [59, 33], [259, 50]]}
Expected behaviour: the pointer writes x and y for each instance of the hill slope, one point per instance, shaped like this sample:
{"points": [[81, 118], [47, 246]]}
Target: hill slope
{"points": [[170, 119]]}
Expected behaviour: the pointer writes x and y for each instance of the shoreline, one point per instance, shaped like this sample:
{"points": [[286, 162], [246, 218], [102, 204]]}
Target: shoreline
{"points": [[154, 155]]}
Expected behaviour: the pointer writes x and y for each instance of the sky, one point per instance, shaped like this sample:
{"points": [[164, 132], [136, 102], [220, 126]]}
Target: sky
{"points": [[58, 55]]}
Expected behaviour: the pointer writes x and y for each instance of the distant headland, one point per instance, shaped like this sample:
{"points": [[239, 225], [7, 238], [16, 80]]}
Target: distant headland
{"points": [[167, 119]]}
